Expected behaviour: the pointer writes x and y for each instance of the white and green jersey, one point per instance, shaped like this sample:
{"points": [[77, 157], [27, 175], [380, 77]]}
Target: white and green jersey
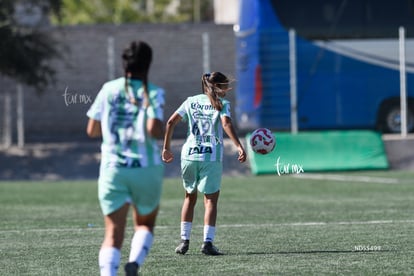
{"points": [[205, 133], [124, 138]]}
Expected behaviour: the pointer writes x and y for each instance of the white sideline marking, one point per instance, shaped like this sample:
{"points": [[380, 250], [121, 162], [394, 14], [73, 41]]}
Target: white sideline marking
{"points": [[314, 223], [338, 177]]}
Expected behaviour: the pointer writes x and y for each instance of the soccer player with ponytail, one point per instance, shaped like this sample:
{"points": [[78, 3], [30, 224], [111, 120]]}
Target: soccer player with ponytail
{"points": [[206, 115], [128, 114]]}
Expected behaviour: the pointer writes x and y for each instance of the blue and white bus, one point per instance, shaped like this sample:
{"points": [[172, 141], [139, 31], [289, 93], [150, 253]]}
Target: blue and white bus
{"points": [[347, 64]]}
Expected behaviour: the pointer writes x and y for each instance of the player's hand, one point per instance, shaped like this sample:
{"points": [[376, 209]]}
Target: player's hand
{"points": [[167, 156], [242, 155]]}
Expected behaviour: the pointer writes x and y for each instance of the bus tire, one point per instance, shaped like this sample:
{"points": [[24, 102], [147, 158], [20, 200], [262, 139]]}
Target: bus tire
{"points": [[389, 118]]}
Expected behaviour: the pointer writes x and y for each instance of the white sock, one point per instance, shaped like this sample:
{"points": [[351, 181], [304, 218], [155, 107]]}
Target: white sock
{"points": [[140, 246], [109, 259], [186, 230], [209, 233]]}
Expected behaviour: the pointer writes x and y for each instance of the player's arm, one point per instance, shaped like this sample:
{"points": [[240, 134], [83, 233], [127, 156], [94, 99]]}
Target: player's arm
{"points": [[155, 128], [167, 155], [155, 113], [229, 129], [93, 129]]}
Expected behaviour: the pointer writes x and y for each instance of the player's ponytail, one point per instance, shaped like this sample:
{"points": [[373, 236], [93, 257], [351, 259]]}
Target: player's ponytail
{"points": [[137, 59], [215, 86]]}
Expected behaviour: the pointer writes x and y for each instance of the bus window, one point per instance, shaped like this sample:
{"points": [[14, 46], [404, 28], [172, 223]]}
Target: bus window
{"points": [[327, 19], [380, 22]]}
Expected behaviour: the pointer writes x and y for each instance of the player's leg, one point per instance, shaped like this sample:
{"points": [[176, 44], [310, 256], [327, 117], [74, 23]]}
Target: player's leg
{"points": [[146, 188], [187, 210], [210, 183], [210, 217], [189, 171], [110, 254], [113, 197], [210, 211], [142, 241], [187, 215]]}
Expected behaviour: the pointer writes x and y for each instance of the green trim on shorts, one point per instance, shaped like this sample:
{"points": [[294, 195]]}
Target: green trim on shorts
{"points": [[205, 176], [140, 186]]}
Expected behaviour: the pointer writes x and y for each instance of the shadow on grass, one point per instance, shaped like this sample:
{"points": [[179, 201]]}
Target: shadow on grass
{"points": [[313, 252]]}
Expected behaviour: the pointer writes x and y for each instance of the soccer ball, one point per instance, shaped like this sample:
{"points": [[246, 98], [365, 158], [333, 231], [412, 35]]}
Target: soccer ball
{"points": [[262, 141]]}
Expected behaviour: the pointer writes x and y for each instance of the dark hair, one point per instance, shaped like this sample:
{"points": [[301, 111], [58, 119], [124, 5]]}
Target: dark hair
{"points": [[215, 85], [137, 58]]}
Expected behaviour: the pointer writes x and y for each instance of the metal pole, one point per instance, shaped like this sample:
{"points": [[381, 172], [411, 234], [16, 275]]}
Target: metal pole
{"points": [[293, 87], [7, 134], [403, 86], [111, 57], [20, 116], [196, 11], [206, 52]]}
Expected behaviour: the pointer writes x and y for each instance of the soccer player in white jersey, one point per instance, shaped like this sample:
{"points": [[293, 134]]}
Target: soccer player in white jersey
{"points": [[128, 114], [206, 115]]}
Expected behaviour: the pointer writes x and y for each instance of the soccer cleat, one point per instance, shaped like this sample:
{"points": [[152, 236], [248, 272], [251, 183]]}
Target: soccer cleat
{"points": [[209, 249], [182, 248], [131, 269]]}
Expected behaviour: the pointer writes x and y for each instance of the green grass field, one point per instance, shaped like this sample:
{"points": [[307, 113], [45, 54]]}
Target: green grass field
{"points": [[359, 223]]}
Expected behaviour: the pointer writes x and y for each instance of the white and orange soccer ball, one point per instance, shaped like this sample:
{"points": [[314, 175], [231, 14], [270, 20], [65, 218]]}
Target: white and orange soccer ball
{"points": [[262, 141]]}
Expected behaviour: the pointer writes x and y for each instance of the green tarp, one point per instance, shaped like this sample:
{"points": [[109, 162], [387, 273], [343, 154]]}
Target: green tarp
{"points": [[321, 151]]}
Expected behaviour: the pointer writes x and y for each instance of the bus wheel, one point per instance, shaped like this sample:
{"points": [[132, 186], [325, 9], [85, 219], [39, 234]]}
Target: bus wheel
{"points": [[390, 118]]}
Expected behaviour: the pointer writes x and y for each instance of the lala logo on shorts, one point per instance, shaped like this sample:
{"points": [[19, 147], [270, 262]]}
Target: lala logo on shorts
{"points": [[200, 150]]}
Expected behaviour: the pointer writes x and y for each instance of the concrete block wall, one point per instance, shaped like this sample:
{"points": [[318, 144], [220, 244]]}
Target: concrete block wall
{"points": [[58, 113]]}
